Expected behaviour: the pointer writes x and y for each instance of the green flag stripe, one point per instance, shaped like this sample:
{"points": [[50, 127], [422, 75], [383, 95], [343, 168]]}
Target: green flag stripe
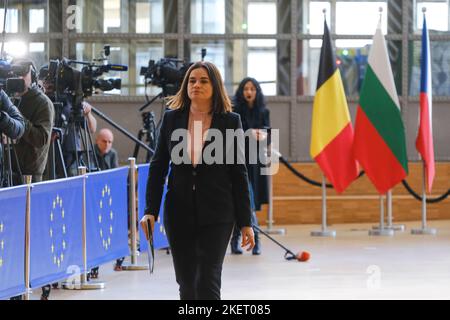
{"points": [[384, 115]]}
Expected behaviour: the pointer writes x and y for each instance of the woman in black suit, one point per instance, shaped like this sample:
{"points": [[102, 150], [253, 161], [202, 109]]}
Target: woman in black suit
{"points": [[250, 105], [204, 198]]}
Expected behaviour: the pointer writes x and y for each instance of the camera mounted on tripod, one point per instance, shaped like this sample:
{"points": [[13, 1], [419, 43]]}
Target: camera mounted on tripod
{"points": [[10, 76], [66, 79], [167, 73]]}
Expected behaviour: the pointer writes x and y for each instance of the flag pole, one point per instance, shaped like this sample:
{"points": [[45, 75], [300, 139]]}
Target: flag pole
{"points": [[424, 229], [425, 178], [381, 230], [390, 225], [324, 232]]}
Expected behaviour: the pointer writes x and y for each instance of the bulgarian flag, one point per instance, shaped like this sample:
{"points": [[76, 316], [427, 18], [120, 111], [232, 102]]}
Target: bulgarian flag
{"points": [[380, 145], [332, 131], [424, 141]]}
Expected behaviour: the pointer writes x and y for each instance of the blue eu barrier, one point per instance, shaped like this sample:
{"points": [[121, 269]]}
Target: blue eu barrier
{"points": [[106, 216], [55, 214], [160, 238], [12, 241], [55, 233]]}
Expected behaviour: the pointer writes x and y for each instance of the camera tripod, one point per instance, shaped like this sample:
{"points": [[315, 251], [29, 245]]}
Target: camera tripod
{"points": [[85, 152], [6, 173], [149, 132]]}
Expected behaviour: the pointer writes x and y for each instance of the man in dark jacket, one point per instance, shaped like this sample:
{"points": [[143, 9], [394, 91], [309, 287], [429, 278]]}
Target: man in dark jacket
{"points": [[37, 109], [11, 124]]}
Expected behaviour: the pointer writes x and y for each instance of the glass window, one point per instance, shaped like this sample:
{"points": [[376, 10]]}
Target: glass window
{"points": [[119, 16], [111, 20], [12, 20], [437, 13], [37, 20], [257, 25], [315, 20], [262, 65], [440, 68], [149, 17], [38, 53], [364, 15], [237, 59], [16, 48], [207, 16]]}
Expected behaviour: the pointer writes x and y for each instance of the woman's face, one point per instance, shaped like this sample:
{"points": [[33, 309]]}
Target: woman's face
{"points": [[250, 93], [199, 86]]}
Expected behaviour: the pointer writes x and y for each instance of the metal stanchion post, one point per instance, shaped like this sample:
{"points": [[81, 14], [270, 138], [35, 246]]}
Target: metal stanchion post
{"points": [[381, 230], [133, 220], [270, 221], [84, 283], [26, 296], [324, 232], [424, 229]]}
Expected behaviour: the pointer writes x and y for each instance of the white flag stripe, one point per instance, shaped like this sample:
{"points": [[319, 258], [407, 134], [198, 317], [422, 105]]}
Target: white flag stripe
{"points": [[378, 60]]}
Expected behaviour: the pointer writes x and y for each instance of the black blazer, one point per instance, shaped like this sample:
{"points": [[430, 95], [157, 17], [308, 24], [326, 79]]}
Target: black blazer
{"points": [[221, 192]]}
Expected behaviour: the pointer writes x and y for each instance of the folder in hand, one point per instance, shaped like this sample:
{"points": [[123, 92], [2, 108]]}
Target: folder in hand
{"points": [[150, 247]]}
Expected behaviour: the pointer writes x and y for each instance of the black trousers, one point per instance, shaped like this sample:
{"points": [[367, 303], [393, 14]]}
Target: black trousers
{"points": [[198, 253]]}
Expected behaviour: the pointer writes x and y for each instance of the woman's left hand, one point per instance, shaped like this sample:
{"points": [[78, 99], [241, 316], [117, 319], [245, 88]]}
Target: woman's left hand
{"points": [[248, 238]]}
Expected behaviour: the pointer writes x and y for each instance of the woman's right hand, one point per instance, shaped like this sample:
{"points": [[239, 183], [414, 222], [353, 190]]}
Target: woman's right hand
{"points": [[248, 238], [143, 223]]}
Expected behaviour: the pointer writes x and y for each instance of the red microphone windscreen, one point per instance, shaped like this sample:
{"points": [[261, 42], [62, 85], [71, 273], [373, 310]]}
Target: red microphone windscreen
{"points": [[303, 256]]}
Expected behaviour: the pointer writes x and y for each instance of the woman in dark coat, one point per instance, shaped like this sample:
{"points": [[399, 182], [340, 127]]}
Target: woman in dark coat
{"points": [[204, 199], [250, 105]]}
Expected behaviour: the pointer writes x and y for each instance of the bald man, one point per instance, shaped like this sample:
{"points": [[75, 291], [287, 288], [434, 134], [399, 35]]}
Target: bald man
{"points": [[106, 155], [107, 159]]}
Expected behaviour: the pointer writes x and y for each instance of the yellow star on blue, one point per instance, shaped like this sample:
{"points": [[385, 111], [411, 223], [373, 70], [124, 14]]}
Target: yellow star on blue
{"points": [[58, 231], [106, 216]]}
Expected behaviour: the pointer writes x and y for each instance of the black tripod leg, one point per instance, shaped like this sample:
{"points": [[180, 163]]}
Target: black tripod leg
{"points": [[91, 145], [137, 146], [51, 159]]}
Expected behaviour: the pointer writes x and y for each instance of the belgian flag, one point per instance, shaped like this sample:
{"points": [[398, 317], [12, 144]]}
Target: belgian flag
{"points": [[332, 131]]}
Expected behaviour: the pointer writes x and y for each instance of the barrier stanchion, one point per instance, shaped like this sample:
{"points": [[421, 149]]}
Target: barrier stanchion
{"points": [[424, 229], [133, 220], [381, 230], [26, 296], [324, 232], [84, 283], [270, 229]]}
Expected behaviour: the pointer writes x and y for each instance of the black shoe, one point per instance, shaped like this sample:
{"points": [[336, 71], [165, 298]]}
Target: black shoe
{"points": [[234, 243], [257, 248], [236, 249]]}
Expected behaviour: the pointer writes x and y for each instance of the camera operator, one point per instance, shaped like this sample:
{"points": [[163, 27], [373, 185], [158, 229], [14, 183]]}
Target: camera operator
{"points": [[71, 142], [11, 124], [32, 148]]}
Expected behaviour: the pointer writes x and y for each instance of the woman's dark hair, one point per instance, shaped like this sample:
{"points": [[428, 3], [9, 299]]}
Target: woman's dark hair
{"points": [[239, 101], [220, 101]]}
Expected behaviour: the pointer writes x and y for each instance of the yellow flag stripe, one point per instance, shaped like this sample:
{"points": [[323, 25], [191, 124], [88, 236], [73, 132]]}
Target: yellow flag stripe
{"points": [[330, 113]]}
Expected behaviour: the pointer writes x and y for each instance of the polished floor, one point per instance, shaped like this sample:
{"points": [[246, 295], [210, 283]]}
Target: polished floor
{"points": [[353, 265]]}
